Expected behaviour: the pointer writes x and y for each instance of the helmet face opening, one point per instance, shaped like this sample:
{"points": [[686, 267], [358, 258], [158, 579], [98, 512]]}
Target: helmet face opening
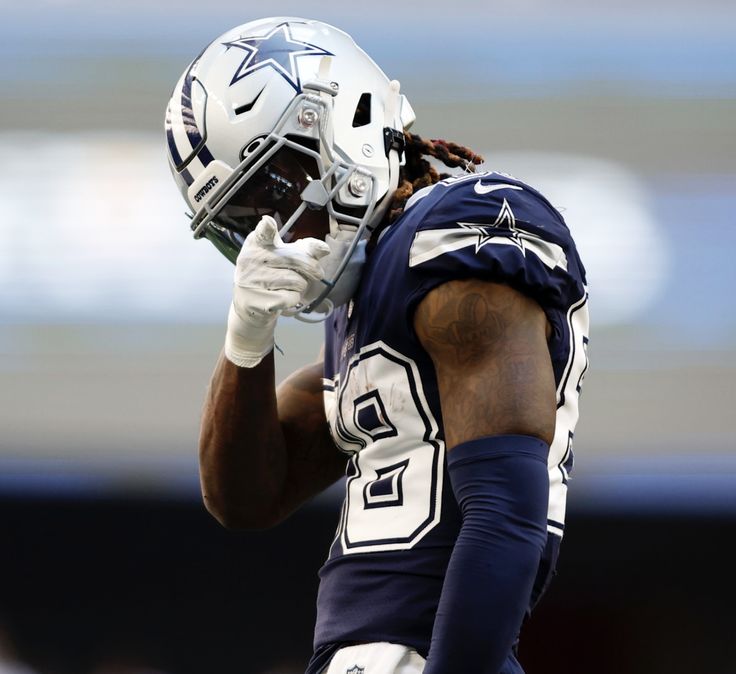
{"points": [[274, 189]]}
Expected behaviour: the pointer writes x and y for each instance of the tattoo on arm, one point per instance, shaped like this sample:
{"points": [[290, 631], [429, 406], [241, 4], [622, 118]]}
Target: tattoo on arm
{"points": [[488, 345], [466, 326]]}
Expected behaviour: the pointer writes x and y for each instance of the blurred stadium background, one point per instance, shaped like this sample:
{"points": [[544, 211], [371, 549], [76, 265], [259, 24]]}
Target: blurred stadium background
{"points": [[111, 318]]}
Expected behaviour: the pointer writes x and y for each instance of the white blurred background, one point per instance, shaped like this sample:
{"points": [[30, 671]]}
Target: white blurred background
{"points": [[111, 315], [111, 318]]}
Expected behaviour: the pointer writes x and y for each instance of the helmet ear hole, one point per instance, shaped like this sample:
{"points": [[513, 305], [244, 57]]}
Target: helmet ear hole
{"points": [[362, 115]]}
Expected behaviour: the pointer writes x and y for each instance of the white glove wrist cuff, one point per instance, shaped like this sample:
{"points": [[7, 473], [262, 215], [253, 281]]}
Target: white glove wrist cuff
{"points": [[246, 343]]}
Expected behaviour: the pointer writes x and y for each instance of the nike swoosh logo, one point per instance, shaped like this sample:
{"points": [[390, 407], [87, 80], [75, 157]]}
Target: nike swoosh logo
{"points": [[480, 188]]}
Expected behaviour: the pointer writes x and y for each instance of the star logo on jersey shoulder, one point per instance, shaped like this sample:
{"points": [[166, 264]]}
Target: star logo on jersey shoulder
{"points": [[505, 225], [277, 50], [355, 670]]}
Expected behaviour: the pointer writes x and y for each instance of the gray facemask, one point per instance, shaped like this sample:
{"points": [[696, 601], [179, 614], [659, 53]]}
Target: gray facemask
{"points": [[347, 282]]}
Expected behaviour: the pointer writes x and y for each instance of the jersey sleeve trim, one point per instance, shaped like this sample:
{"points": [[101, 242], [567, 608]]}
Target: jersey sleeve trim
{"points": [[430, 244]]}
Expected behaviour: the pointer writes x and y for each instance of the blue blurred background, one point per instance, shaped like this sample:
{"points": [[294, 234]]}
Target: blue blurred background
{"points": [[111, 318]]}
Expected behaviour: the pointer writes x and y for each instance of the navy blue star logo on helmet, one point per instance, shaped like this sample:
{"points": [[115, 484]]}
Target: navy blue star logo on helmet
{"points": [[277, 50]]}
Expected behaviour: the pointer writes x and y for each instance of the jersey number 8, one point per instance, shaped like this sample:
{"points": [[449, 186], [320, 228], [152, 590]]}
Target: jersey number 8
{"points": [[380, 415]]}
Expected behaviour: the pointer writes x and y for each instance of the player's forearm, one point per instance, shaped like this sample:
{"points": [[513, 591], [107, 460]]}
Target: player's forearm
{"points": [[243, 460]]}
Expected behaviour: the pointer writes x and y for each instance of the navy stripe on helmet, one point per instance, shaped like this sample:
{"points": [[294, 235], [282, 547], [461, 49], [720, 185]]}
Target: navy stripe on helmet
{"points": [[190, 123], [174, 151], [175, 156], [205, 155], [186, 176]]}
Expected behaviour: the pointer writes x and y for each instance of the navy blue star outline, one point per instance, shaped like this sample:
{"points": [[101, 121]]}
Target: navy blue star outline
{"points": [[505, 222], [277, 50]]}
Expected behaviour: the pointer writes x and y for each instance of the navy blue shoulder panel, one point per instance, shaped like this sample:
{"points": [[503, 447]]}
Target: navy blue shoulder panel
{"points": [[497, 228]]}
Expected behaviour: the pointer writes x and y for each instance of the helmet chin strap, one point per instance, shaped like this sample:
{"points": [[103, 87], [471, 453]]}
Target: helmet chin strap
{"points": [[393, 151], [389, 119]]}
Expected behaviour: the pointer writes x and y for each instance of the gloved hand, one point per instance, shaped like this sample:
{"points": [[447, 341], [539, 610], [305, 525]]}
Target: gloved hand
{"points": [[270, 277]]}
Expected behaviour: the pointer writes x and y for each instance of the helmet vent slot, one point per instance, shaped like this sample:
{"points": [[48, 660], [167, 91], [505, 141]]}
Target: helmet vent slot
{"points": [[247, 107], [362, 115]]}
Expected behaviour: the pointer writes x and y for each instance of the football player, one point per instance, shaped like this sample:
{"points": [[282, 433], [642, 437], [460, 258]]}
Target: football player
{"points": [[455, 316]]}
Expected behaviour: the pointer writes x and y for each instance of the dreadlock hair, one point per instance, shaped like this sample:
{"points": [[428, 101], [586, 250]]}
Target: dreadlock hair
{"points": [[418, 172]]}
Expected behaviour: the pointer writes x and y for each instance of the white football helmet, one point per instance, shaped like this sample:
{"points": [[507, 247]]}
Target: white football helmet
{"points": [[287, 117]]}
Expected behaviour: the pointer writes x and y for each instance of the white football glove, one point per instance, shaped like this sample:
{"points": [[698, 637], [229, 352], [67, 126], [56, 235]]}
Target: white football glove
{"points": [[270, 277]]}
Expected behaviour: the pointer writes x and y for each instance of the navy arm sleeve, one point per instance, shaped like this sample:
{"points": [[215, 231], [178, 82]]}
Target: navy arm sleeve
{"points": [[501, 485]]}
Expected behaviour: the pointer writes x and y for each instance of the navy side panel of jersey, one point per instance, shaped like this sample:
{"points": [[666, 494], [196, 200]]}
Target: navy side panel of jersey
{"points": [[384, 574]]}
